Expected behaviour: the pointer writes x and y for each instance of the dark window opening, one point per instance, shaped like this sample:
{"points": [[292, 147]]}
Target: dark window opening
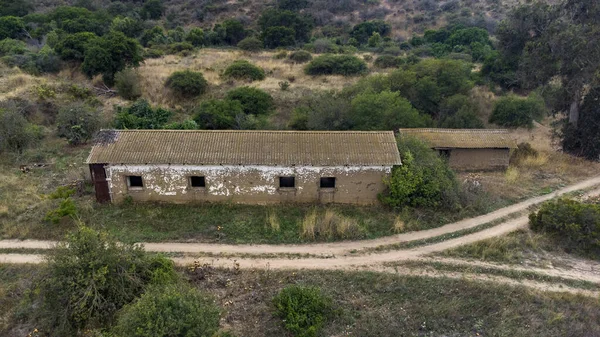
{"points": [[197, 181], [287, 182], [135, 181], [444, 154], [328, 182]]}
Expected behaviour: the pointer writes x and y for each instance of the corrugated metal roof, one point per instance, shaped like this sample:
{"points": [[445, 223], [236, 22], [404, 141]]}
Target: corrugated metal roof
{"points": [[463, 138], [271, 148]]}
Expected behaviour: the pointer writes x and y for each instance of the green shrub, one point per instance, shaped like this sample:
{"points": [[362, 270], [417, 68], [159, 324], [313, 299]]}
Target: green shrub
{"points": [[169, 311], [250, 44], [88, 278], [304, 310], [140, 115], [423, 180], [77, 123], [127, 83], [386, 61], [244, 70], [459, 112], [196, 37], [11, 27], [300, 56], [12, 47], [279, 36], [215, 114], [16, 133], [336, 65], [513, 111], [384, 111], [574, 224], [66, 208], [62, 192], [254, 101], [187, 84], [180, 47]]}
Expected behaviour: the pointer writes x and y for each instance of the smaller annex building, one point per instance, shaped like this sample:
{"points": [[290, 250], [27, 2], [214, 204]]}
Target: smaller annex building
{"points": [[468, 149], [242, 166]]}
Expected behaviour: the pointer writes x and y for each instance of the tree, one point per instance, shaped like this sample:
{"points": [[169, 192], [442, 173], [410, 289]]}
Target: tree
{"points": [[384, 111], [215, 114], [153, 9], [254, 101], [234, 31], [72, 46], [173, 310], [11, 27], [15, 7], [292, 5], [279, 36], [77, 123], [111, 54], [140, 115], [514, 111], [302, 25], [364, 30], [196, 37], [423, 180], [187, 84], [374, 40], [89, 277], [128, 26], [324, 111], [127, 82], [584, 139], [458, 112]]}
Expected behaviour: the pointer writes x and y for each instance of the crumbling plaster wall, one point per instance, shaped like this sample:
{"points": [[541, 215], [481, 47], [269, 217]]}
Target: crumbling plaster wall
{"points": [[248, 184], [479, 159]]}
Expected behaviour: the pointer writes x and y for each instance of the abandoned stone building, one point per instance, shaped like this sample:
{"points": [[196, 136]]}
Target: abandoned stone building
{"points": [[468, 149], [242, 166]]}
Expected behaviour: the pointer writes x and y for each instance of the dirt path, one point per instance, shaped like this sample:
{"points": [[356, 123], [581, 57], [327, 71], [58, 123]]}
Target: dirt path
{"points": [[344, 260], [338, 248]]}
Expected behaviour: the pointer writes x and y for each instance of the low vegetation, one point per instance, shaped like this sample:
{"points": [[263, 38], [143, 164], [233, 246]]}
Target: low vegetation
{"points": [[244, 70], [336, 65], [187, 84], [303, 310]]}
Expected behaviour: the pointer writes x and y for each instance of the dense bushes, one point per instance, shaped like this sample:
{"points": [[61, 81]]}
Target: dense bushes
{"points": [[254, 101], [304, 310], [513, 111], [77, 123], [336, 65], [574, 224], [169, 311], [423, 180], [140, 115], [300, 56], [244, 70], [89, 277], [215, 114], [187, 84], [384, 111], [387, 61]]}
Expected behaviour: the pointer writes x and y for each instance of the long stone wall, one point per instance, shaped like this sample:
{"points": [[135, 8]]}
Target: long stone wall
{"points": [[247, 184]]}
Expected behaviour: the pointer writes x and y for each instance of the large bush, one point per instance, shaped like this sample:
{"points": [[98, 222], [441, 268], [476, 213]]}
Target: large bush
{"points": [[254, 101], [574, 224], [423, 180], [169, 311], [187, 84], [11, 27], [89, 277], [300, 56], [250, 44], [127, 83], [16, 133], [513, 111], [244, 70], [279, 36], [140, 115], [196, 37], [336, 65], [304, 310], [387, 61], [459, 112], [385, 111], [218, 114], [77, 123]]}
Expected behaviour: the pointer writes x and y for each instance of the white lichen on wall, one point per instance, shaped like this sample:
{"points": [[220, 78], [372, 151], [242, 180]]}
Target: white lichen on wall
{"points": [[226, 181]]}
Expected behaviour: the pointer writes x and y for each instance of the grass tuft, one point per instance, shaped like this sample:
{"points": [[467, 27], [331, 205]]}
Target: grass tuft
{"points": [[273, 220]]}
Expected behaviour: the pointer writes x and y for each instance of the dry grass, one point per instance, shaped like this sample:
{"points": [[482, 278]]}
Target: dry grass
{"points": [[273, 220], [399, 225], [212, 63], [512, 175], [329, 224]]}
